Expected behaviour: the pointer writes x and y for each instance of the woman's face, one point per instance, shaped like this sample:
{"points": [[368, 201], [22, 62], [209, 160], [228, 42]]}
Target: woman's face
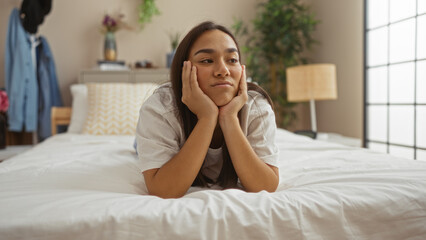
{"points": [[219, 71]]}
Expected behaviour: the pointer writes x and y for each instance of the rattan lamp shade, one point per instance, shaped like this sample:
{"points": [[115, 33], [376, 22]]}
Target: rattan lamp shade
{"points": [[311, 82]]}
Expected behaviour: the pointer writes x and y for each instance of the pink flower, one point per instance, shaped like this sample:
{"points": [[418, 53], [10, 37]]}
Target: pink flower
{"points": [[4, 101], [112, 23]]}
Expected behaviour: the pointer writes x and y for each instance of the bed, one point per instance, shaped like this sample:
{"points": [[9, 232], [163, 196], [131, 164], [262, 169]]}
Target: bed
{"points": [[88, 186]]}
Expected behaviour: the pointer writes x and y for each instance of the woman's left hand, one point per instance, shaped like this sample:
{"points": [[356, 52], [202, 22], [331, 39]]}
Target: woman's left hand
{"points": [[231, 109]]}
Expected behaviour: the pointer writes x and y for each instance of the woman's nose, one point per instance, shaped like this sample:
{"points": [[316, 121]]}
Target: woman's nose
{"points": [[221, 70]]}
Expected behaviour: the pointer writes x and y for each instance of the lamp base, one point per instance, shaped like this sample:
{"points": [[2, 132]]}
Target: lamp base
{"points": [[308, 133]]}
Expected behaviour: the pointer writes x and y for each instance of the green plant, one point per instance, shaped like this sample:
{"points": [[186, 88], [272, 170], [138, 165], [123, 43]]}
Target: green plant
{"points": [[147, 9], [281, 32], [174, 39]]}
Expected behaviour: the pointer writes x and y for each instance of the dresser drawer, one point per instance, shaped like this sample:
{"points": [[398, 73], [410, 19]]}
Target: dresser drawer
{"points": [[105, 76], [158, 75]]}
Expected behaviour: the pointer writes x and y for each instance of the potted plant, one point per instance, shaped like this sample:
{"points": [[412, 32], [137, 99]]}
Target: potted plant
{"points": [[174, 42], [147, 9], [281, 32]]}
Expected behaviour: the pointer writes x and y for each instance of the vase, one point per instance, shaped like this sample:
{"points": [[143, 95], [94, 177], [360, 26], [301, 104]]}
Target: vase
{"points": [[110, 47], [170, 57], [3, 129]]}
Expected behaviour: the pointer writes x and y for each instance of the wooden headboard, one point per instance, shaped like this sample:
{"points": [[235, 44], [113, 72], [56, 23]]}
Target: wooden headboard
{"points": [[59, 116]]}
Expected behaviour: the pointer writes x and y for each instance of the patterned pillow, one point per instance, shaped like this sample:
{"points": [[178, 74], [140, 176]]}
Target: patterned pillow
{"points": [[114, 107]]}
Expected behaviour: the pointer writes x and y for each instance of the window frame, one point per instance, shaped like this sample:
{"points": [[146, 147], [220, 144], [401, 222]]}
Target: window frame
{"points": [[388, 104]]}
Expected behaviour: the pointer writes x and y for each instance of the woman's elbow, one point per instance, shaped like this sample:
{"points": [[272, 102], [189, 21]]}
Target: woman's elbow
{"points": [[272, 187], [165, 194], [163, 191], [269, 187]]}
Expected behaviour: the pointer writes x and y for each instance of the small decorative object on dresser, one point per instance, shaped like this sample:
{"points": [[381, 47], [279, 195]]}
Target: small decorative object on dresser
{"points": [[110, 47], [112, 65], [174, 41], [110, 25], [144, 64]]}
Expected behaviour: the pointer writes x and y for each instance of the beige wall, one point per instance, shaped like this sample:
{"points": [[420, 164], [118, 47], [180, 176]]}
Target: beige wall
{"points": [[341, 35], [72, 31]]}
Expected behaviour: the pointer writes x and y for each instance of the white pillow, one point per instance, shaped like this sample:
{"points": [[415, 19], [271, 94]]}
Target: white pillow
{"points": [[79, 108], [113, 108]]}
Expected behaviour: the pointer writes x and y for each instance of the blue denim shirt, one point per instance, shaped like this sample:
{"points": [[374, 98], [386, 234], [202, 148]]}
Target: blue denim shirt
{"points": [[49, 94], [21, 80]]}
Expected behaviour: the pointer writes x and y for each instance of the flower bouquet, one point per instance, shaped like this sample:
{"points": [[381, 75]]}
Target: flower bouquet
{"points": [[111, 24]]}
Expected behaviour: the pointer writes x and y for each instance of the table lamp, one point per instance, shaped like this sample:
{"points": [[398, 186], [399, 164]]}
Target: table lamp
{"points": [[309, 83]]}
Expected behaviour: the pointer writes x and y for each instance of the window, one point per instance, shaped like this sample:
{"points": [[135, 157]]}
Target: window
{"points": [[395, 77]]}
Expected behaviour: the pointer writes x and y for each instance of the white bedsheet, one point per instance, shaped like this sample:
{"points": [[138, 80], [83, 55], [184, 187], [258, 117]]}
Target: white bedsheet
{"points": [[89, 187]]}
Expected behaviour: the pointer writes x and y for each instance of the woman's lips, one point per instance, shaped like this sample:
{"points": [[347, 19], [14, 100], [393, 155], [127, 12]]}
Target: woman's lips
{"points": [[222, 84]]}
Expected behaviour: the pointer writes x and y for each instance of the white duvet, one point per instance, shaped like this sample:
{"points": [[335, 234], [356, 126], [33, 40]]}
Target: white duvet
{"points": [[90, 187]]}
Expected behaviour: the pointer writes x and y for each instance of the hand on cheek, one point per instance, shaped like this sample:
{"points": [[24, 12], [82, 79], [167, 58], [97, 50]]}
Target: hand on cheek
{"points": [[231, 109], [192, 95]]}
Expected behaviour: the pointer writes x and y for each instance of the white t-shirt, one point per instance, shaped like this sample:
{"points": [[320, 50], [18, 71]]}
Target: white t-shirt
{"points": [[160, 135]]}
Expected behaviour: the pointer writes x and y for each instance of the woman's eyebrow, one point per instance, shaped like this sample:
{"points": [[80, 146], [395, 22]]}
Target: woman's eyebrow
{"points": [[210, 50], [204, 50], [231, 50]]}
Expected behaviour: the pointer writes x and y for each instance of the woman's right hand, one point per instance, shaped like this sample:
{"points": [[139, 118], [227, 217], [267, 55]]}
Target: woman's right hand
{"points": [[193, 97]]}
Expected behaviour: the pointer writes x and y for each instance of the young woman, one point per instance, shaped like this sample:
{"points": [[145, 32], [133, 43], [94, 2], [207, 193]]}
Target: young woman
{"points": [[208, 127]]}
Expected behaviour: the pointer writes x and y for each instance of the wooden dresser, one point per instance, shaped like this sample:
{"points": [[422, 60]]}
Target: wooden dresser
{"points": [[157, 75]]}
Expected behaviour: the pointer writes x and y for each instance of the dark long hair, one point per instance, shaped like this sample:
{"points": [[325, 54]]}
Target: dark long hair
{"points": [[227, 177]]}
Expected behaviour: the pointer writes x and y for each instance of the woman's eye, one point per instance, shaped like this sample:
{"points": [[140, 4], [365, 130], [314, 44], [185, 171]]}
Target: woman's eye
{"points": [[233, 60], [206, 61]]}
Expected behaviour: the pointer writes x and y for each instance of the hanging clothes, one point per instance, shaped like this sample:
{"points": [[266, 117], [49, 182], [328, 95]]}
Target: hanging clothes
{"points": [[33, 88], [21, 81], [49, 94]]}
